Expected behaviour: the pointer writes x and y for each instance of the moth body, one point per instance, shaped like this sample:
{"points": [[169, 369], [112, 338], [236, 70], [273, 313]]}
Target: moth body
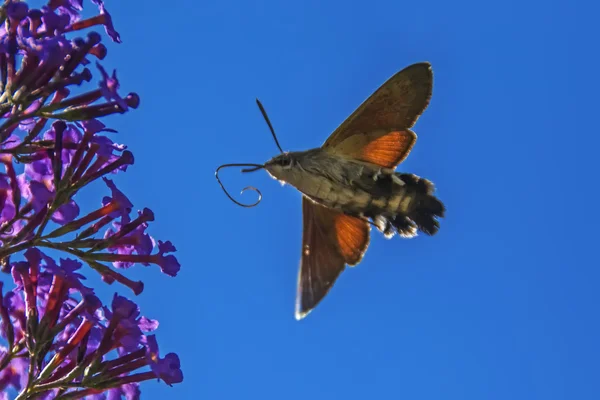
{"points": [[396, 202]]}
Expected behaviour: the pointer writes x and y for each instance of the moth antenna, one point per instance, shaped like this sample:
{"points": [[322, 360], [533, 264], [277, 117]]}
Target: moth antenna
{"points": [[266, 117], [255, 167]]}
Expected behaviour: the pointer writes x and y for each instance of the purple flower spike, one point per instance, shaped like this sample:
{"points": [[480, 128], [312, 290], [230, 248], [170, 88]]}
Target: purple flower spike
{"points": [[61, 340]]}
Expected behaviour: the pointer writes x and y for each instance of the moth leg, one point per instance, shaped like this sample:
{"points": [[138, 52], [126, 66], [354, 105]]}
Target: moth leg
{"points": [[377, 175], [397, 180]]}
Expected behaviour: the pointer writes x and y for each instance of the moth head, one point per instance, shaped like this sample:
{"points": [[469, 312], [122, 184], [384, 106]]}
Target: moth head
{"points": [[281, 166]]}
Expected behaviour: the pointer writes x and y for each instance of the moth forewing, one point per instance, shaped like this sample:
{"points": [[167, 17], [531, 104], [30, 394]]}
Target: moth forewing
{"points": [[395, 105]]}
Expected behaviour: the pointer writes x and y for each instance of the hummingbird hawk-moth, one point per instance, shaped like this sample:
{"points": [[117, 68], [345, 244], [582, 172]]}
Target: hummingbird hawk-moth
{"points": [[350, 183]]}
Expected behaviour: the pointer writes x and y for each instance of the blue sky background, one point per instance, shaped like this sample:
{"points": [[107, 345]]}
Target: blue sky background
{"points": [[501, 304]]}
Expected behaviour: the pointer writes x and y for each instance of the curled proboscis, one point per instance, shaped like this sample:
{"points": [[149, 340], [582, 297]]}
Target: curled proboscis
{"points": [[255, 167]]}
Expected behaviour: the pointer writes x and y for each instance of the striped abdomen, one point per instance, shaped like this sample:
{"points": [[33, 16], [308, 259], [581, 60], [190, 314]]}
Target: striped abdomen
{"points": [[404, 203], [396, 202]]}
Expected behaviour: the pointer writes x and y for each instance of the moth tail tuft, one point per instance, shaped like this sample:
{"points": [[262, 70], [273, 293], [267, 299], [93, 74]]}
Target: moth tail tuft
{"points": [[427, 208], [422, 215]]}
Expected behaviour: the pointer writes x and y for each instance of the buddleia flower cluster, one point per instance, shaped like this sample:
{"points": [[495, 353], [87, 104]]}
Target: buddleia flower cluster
{"points": [[57, 339]]}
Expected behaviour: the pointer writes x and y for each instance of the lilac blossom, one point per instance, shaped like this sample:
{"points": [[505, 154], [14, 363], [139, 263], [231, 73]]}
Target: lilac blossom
{"points": [[57, 338]]}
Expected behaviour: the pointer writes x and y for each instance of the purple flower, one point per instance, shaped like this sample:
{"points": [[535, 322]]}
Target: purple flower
{"points": [[50, 50], [169, 368], [72, 8], [107, 147], [40, 171], [43, 279], [68, 272], [109, 86], [136, 240], [42, 194], [106, 152], [17, 11], [167, 263], [123, 307], [125, 205], [52, 22], [71, 136], [39, 194], [94, 126], [147, 325], [37, 185], [108, 24], [128, 333], [66, 213], [33, 257]]}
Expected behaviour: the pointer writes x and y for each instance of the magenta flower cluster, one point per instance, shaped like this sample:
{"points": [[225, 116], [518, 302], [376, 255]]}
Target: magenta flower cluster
{"points": [[57, 339]]}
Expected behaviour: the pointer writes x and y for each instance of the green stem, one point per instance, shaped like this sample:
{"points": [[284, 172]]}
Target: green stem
{"points": [[62, 247], [8, 356], [18, 247]]}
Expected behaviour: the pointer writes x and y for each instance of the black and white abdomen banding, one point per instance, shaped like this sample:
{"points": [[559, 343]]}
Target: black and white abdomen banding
{"points": [[404, 203]]}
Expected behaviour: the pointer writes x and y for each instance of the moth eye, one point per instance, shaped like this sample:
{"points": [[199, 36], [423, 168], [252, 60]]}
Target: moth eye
{"points": [[287, 163]]}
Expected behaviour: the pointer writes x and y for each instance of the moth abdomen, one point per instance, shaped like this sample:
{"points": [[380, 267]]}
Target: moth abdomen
{"points": [[406, 204]]}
